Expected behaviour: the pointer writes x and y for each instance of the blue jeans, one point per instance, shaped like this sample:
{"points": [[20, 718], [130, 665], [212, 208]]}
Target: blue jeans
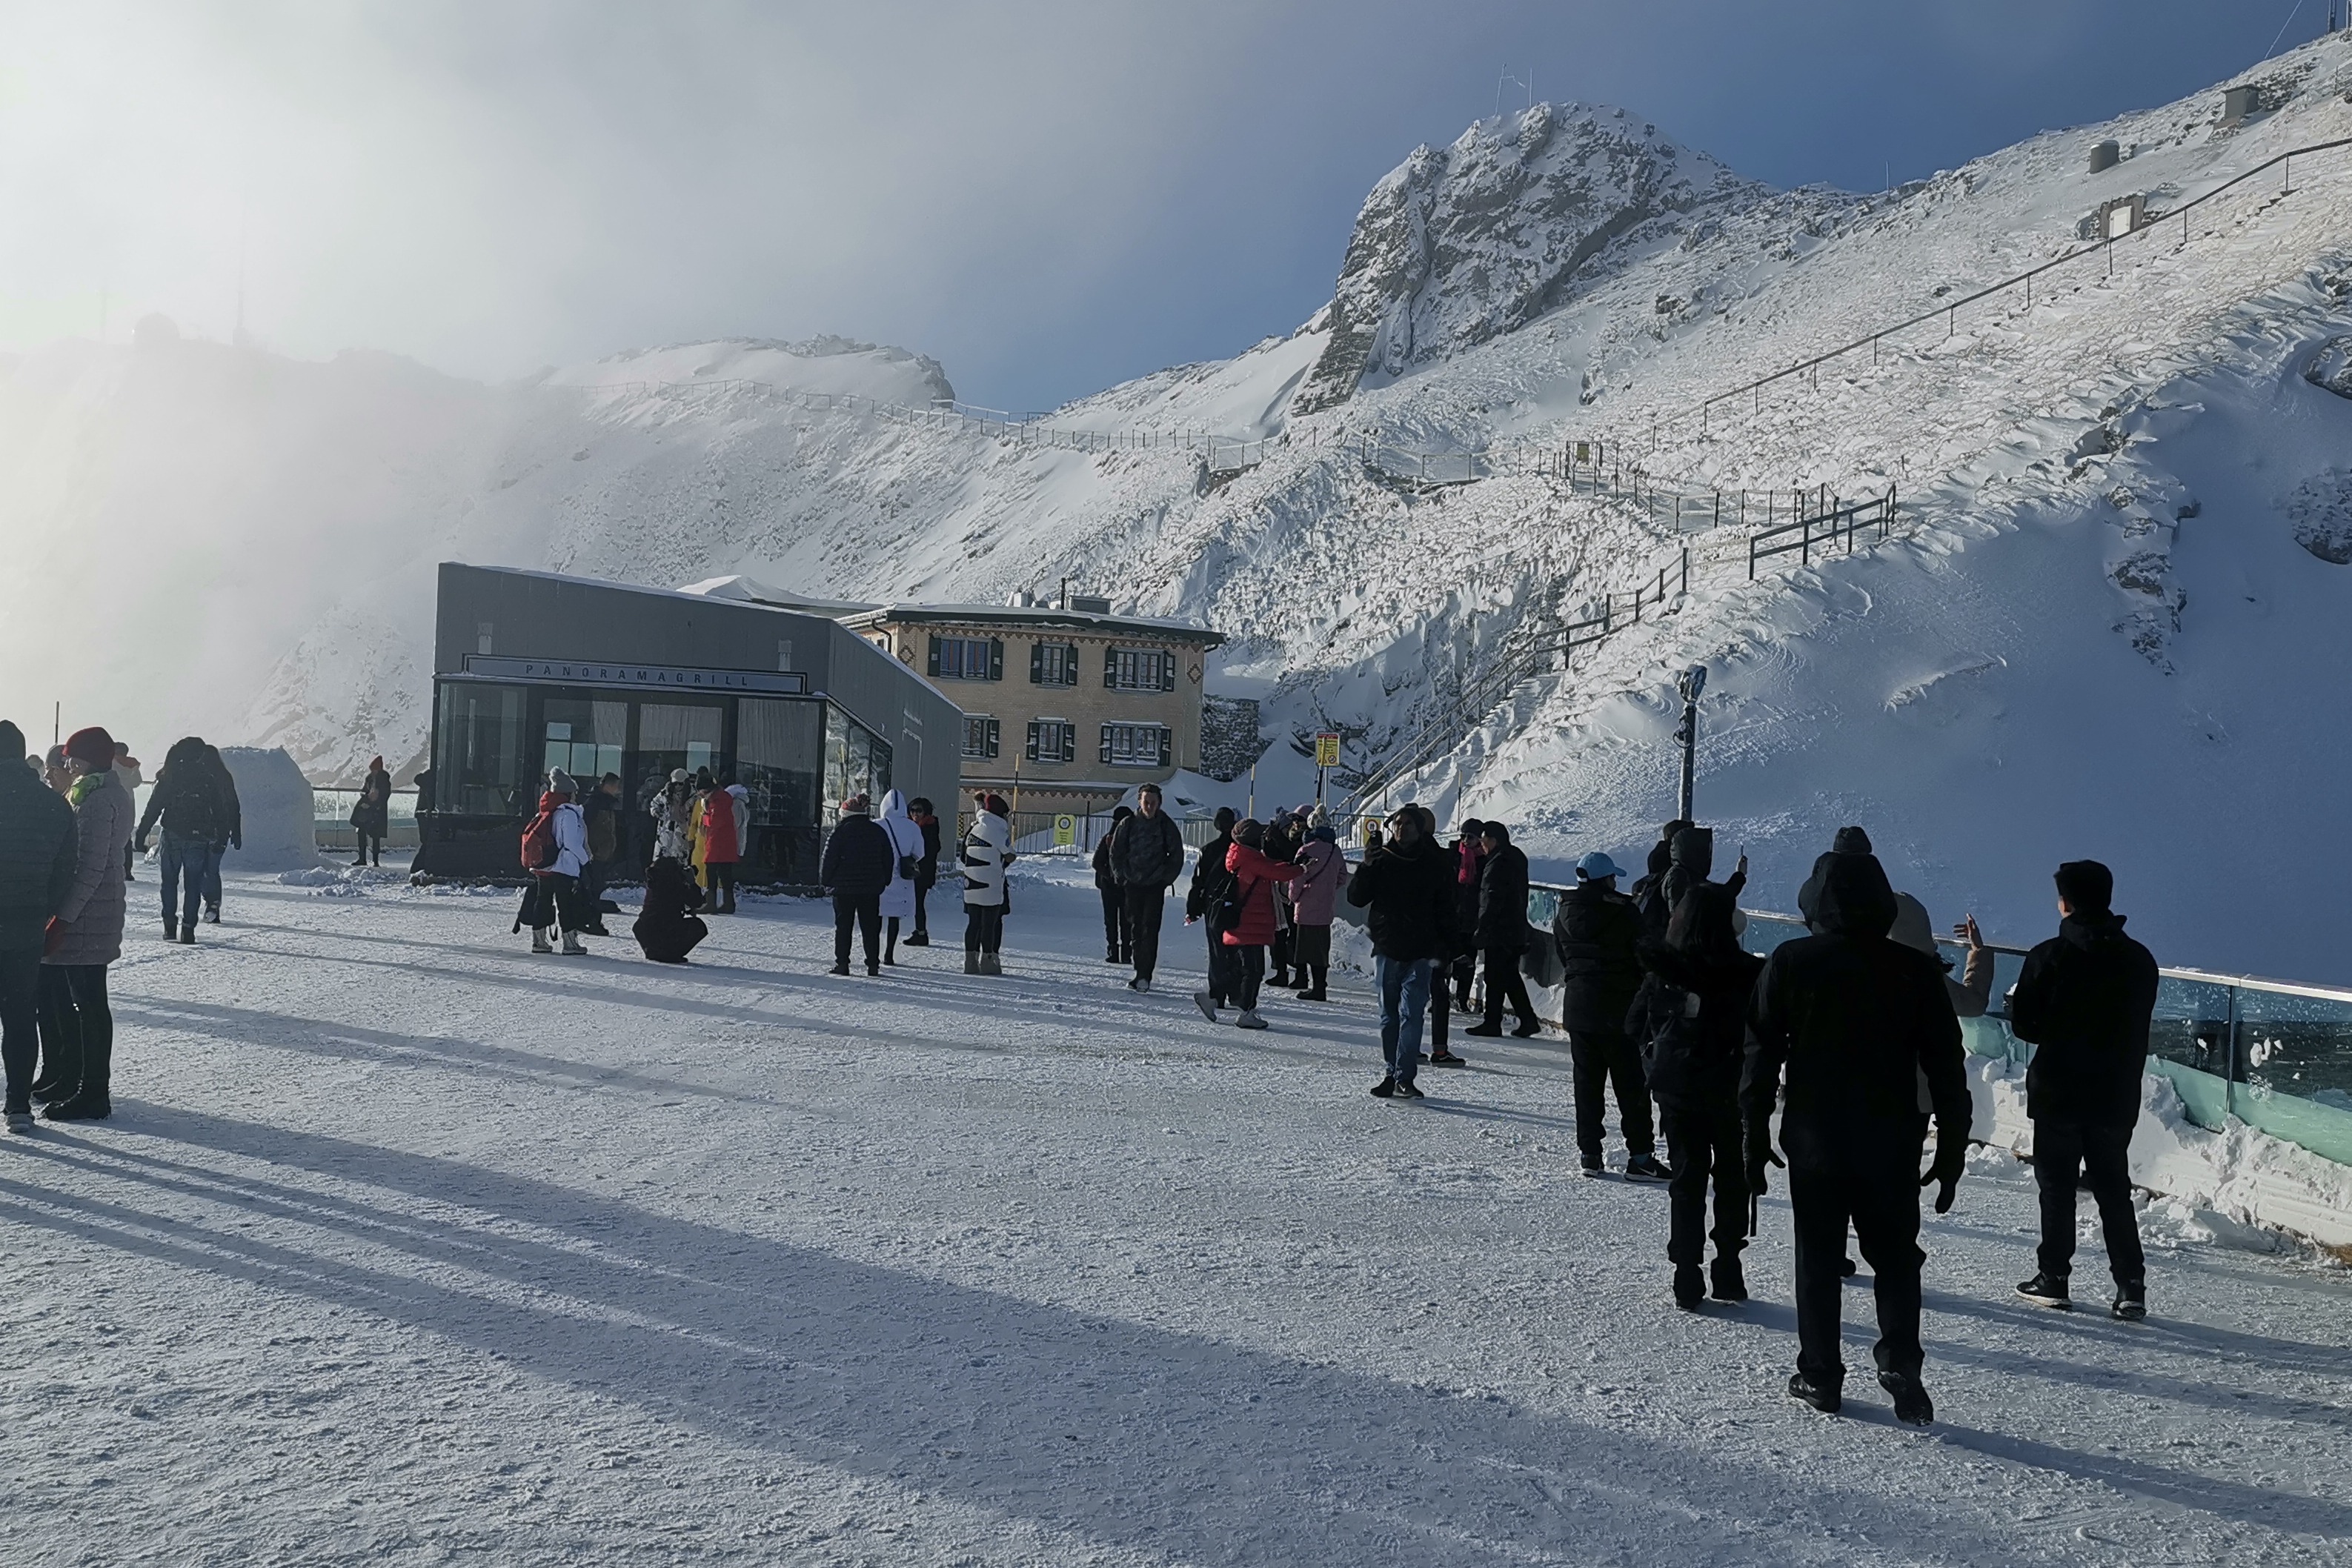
{"points": [[1404, 1000], [193, 859]]}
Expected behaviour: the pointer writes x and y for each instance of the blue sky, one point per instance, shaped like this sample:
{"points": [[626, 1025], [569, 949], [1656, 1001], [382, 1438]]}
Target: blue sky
{"points": [[1048, 196]]}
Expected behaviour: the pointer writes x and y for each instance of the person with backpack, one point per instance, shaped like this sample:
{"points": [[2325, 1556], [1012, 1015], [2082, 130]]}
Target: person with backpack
{"points": [[232, 834], [1146, 856], [186, 796], [667, 928], [1314, 896], [717, 845], [1204, 901], [858, 863], [985, 856], [1407, 890], [1248, 918], [897, 902], [38, 850], [555, 851], [2083, 1002], [1501, 933], [1118, 936], [927, 869], [1843, 1028], [1689, 1022], [372, 814], [1598, 930]]}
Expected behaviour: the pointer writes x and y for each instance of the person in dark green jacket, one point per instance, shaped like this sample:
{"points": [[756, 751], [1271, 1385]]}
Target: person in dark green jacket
{"points": [[37, 850]]}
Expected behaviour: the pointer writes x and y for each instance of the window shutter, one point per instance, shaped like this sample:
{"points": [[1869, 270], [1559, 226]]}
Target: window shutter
{"points": [[1167, 672], [935, 658], [1069, 664], [1104, 754], [1110, 671], [1032, 739], [1036, 664], [1167, 744], [996, 659], [993, 728]]}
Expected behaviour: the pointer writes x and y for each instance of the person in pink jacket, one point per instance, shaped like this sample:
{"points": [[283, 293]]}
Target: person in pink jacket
{"points": [[1251, 930], [1322, 873]]}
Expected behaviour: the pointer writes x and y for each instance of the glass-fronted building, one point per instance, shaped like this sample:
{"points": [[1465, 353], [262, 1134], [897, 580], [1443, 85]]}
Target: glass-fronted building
{"points": [[533, 671]]}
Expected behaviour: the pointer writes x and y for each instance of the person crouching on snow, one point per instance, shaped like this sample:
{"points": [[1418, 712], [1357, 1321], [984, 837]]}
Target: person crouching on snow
{"points": [[667, 928]]}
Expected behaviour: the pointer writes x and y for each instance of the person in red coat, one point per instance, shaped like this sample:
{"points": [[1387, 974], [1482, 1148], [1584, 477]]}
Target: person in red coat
{"points": [[1251, 930]]}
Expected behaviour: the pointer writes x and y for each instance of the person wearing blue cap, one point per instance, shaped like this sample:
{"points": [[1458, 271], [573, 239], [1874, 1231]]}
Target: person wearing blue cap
{"points": [[1599, 932]]}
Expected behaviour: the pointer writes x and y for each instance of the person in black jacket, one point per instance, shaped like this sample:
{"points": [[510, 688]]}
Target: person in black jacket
{"points": [[1406, 889], [187, 797], [858, 863], [1204, 901], [1689, 1021], [1502, 931], [927, 870], [1855, 1022], [667, 928], [1469, 852], [231, 834], [1690, 862], [2083, 1002], [39, 852], [1118, 936], [1599, 932], [1146, 856], [1649, 893]]}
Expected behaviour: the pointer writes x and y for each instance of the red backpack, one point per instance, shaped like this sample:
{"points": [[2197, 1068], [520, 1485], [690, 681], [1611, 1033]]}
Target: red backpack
{"points": [[538, 842]]}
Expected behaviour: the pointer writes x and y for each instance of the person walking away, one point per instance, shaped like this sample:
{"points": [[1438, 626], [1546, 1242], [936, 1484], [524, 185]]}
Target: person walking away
{"points": [[1146, 856], [85, 936], [2083, 1002], [1204, 901], [927, 869], [1840, 1030], [1501, 933], [672, 811], [1469, 851], [372, 814], [38, 856], [555, 851], [897, 902], [187, 798], [717, 843], [1314, 896], [602, 812], [126, 768], [1689, 1022], [1250, 931], [983, 854], [232, 834], [1118, 937], [666, 927], [1406, 889], [859, 862], [1847, 841], [1649, 890], [1598, 930]]}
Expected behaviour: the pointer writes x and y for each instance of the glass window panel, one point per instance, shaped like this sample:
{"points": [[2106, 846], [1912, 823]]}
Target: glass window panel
{"points": [[480, 748], [780, 759]]}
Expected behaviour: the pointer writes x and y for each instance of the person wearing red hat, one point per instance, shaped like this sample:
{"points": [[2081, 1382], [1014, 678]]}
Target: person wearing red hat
{"points": [[85, 937]]}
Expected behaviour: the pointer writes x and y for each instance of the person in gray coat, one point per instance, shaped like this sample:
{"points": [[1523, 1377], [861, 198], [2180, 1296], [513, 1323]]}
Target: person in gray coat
{"points": [[38, 860], [1146, 856], [86, 936]]}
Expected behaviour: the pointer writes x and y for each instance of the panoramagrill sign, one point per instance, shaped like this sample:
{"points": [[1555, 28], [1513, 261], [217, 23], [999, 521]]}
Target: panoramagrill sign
{"points": [[673, 678]]}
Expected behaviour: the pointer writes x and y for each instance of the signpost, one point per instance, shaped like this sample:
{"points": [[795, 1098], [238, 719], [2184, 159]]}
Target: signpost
{"points": [[1066, 831], [1327, 756]]}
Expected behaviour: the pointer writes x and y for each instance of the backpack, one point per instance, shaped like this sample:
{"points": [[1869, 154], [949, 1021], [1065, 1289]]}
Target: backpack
{"points": [[538, 842]]}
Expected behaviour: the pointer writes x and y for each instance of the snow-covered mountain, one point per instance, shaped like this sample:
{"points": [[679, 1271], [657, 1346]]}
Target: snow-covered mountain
{"points": [[2116, 623]]}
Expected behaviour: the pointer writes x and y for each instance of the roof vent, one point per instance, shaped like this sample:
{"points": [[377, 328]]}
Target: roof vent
{"points": [[2105, 155], [1090, 604]]}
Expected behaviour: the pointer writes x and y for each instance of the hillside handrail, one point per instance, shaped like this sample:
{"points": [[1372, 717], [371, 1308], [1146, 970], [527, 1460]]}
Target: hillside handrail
{"points": [[1950, 309]]}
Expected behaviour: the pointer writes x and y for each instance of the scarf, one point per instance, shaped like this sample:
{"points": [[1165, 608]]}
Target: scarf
{"points": [[82, 788]]}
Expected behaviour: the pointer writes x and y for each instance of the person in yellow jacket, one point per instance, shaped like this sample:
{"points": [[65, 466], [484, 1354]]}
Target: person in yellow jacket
{"points": [[697, 842]]}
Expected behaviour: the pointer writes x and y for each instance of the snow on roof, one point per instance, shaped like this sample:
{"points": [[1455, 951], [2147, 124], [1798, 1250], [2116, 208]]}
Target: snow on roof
{"points": [[1039, 616]]}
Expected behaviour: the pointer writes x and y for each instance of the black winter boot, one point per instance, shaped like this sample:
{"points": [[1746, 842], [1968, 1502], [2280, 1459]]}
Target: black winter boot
{"points": [[1827, 1398], [1912, 1405], [1690, 1287], [1730, 1280], [2047, 1290]]}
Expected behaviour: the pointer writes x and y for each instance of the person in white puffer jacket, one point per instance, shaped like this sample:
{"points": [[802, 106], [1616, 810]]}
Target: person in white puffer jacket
{"points": [[558, 886], [983, 854], [906, 855]]}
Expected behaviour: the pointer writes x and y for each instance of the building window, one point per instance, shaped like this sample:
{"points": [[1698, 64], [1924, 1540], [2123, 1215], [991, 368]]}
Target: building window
{"points": [[1053, 664], [1138, 670], [1053, 741], [1137, 745], [967, 658], [979, 733]]}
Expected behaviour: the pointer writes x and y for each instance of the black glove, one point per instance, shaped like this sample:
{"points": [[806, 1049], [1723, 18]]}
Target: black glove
{"points": [[1951, 1158], [1760, 1156]]}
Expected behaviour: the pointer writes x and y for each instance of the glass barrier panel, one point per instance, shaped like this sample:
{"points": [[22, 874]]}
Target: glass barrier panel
{"points": [[2295, 1069]]}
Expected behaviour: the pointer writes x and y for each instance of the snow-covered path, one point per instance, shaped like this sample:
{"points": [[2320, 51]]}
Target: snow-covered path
{"points": [[406, 1246]]}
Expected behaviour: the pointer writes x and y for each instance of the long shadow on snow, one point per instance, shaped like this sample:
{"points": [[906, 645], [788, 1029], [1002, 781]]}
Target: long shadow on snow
{"points": [[1129, 1433]]}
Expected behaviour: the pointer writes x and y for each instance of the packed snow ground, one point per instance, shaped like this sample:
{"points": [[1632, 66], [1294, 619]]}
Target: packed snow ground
{"points": [[407, 1246]]}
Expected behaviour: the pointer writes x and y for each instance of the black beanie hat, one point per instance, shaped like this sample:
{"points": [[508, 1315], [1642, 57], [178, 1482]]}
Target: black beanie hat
{"points": [[2086, 885], [1850, 841]]}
